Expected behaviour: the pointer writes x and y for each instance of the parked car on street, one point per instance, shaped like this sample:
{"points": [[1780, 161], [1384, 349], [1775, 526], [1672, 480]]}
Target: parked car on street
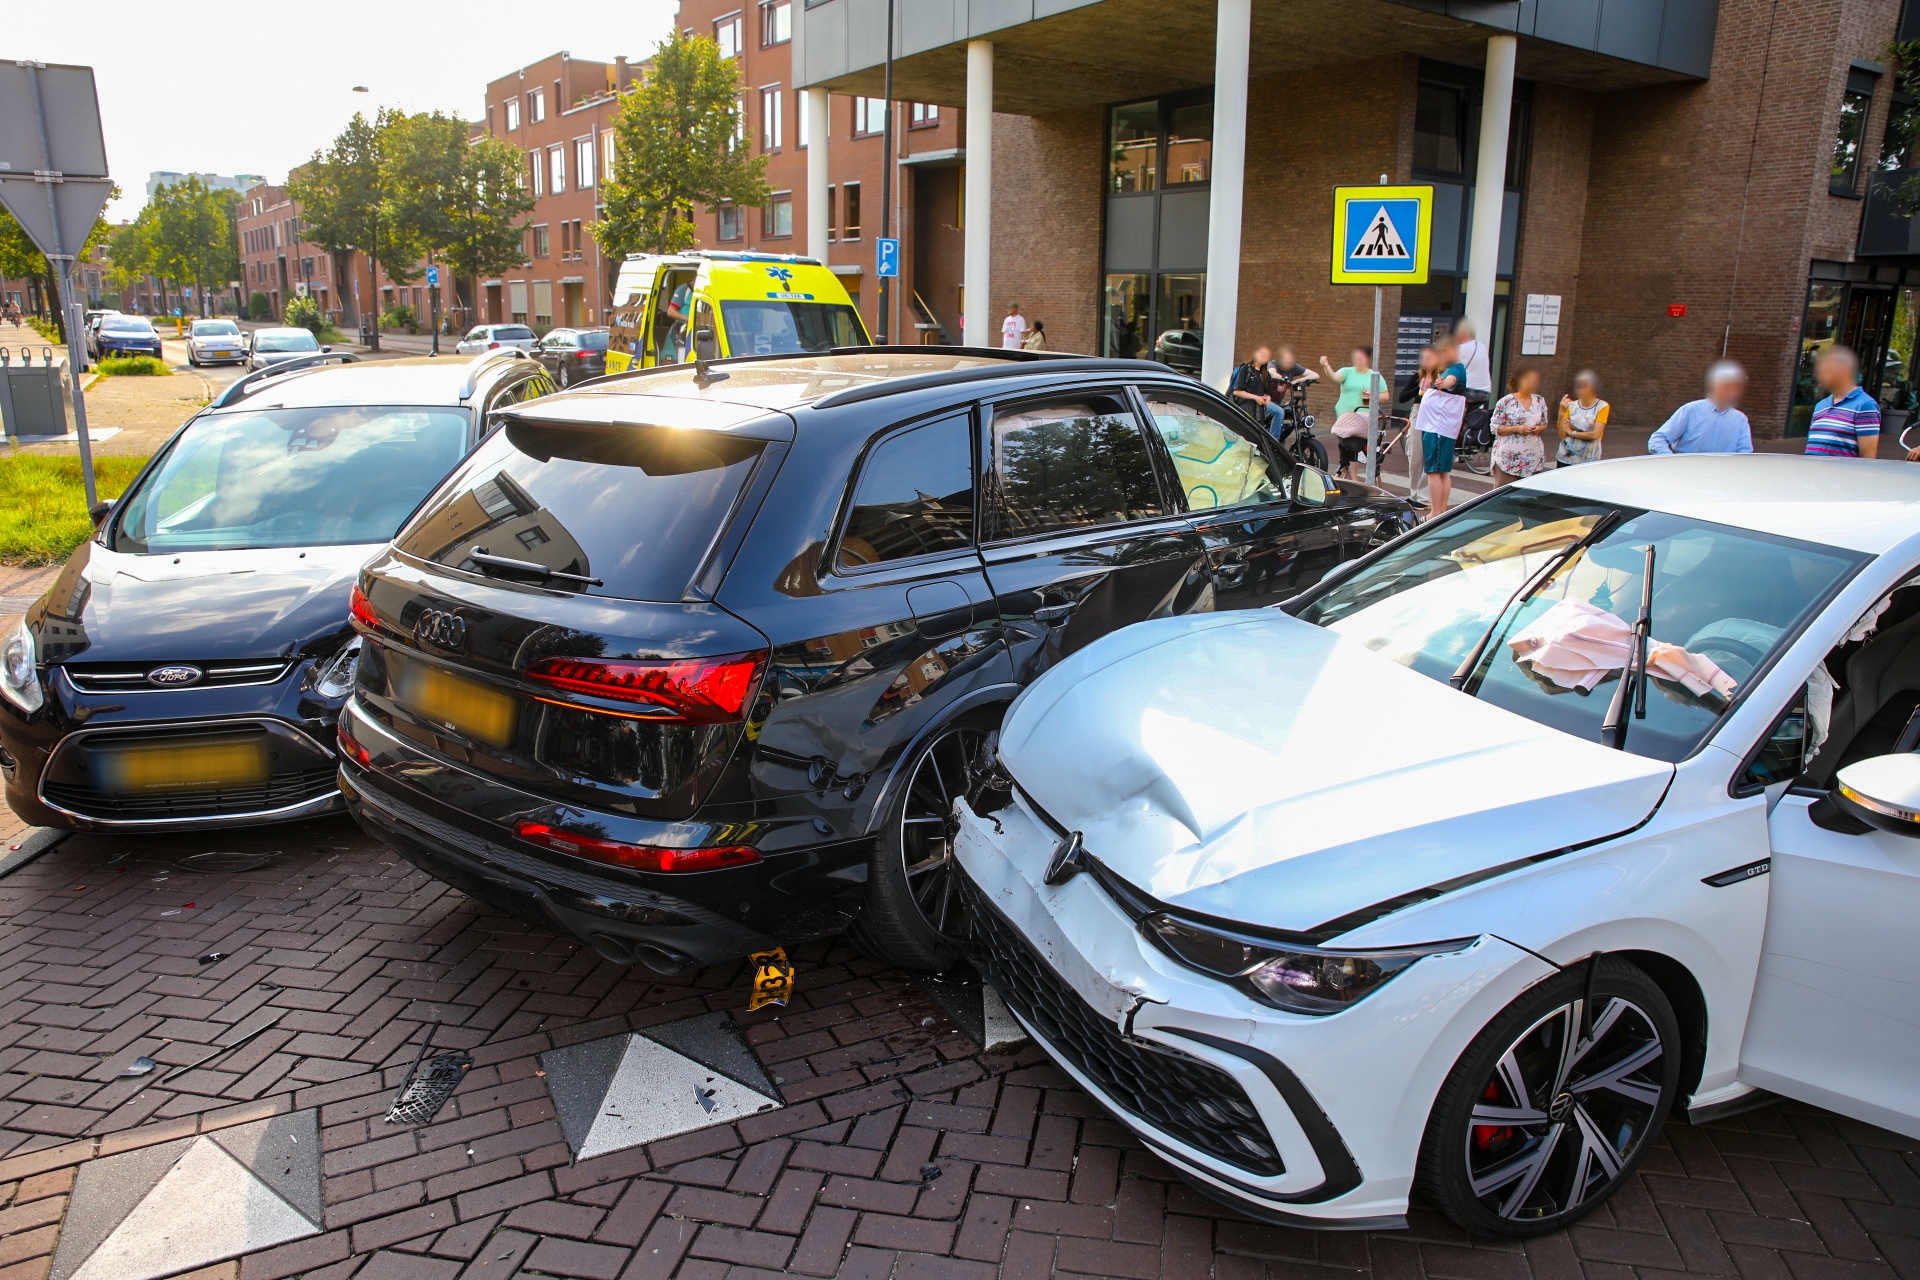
{"points": [[686, 663], [728, 303], [216, 342], [1179, 349], [491, 337], [186, 668], [573, 355], [1590, 803], [269, 347], [92, 331], [120, 335]]}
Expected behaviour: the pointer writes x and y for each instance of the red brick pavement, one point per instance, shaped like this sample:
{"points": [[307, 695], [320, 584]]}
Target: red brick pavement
{"points": [[358, 950]]}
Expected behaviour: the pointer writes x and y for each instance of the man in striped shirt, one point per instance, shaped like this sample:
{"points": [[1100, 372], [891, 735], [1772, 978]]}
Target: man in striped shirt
{"points": [[1846, 424]]}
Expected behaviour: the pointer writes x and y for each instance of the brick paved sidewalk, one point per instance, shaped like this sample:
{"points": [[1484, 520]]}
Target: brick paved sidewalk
{"points": [[99, 964]]}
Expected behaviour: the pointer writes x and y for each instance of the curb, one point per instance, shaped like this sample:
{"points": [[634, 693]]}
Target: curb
{"points": [[33, 842]]}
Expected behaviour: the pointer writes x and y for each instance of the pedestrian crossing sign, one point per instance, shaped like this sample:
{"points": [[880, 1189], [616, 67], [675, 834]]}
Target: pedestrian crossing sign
{"points": [[1381, 235]]}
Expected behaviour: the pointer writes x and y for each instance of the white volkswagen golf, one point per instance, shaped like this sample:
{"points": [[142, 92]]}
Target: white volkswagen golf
{"points": [[1580, 805]]}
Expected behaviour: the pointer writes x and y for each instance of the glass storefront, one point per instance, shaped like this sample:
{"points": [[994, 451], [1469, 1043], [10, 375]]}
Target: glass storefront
{"points": [[1128, 316], [1159, 165], [1878, 320]]}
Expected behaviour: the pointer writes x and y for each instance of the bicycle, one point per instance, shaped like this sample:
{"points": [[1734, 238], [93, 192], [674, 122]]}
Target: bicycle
{"points": [[1474, 449], [1295, 436]]}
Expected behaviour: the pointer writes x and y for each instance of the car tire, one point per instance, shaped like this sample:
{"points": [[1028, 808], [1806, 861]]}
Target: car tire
{"points": [[913, 916], [1597, 1115], [566, 379]]}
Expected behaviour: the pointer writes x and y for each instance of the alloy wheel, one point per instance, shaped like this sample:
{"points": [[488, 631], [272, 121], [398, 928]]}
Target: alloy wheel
{"points": [[946, 770], [1565, 1110]]}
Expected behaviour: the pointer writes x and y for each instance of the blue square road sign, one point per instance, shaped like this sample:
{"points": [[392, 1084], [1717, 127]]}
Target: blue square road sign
{"points": [[889, 252]]}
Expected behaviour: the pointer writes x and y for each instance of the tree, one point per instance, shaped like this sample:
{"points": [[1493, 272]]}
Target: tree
{"points": [[20, 258], [346, 196], [462, 201], [678, 145], [190, 240]]}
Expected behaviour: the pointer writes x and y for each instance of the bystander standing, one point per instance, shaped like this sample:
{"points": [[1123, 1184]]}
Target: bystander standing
{"points": [[1037, 339], [1358, 382], [1713, 424], [1013, 329], [1442, 409], [1846, 424], [1583, 421], [1253, 385], [1519, 419]]}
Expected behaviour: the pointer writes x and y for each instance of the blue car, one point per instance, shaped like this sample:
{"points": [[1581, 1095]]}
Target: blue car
{"points": [[128, 336]]}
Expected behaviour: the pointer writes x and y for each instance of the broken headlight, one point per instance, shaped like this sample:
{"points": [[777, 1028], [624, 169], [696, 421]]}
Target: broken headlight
{"points": [[1299, 979]]}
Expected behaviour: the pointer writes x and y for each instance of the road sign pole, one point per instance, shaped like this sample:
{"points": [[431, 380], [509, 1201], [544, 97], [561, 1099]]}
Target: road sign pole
{"points": [[1373, 395], [64, 275]]}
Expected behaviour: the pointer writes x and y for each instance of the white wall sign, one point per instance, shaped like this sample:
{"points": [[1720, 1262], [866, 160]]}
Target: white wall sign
{"points": [[1540, 334]]}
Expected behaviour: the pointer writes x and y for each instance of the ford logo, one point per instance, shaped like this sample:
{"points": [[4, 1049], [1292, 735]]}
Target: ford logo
{"points": [[441, 630], [174, 677]]}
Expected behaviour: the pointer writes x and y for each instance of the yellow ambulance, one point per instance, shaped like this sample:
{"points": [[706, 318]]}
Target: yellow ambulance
{"points": [[670, 308]]}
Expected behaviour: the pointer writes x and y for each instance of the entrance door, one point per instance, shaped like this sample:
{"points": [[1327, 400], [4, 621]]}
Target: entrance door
{"points": [[1836, 1009]]}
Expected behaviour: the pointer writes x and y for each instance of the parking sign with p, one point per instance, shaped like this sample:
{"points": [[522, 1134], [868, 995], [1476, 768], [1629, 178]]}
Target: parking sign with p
{"points": [[1381, 235]]}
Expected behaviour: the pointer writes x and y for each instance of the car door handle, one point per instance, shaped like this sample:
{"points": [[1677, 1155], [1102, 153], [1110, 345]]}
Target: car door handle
{"points": [[1231, 575], [1055, 612]]}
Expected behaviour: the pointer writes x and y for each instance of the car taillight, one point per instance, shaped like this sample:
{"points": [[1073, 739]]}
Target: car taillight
{"points": [[638, 857], [692, 690], [362, 609], [493, 346], [350, 747]]}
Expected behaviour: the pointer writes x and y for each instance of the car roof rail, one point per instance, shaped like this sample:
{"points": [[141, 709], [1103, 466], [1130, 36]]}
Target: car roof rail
{"points": [[248, 385], [1015, 365], [479, 366]]}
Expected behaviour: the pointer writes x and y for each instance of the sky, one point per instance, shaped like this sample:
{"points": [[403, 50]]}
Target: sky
{"points": [[253, 88]]}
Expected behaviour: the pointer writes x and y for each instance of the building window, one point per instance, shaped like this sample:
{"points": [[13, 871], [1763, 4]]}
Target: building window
{"points": [[538, 109], [800, 121], [1439, 129], [776, 22], [1896, 143], [739, 122], [833, 228], [869, 116], [1190, 143], [779, 216], [925, 115], [539, 173], [727, 32], [513, 114], [730, 222], [542, 245], [1855, 104], [770, 119], [606, 154], [1134, 160], [583, 164], [557, 162], [851, 231]]}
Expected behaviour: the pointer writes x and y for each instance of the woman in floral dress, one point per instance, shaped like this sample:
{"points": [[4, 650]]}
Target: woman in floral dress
{"points": [[1519, 418]]}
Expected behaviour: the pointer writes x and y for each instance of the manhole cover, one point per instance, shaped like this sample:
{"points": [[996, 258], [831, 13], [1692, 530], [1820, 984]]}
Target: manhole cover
{"points": [[210, 862]]}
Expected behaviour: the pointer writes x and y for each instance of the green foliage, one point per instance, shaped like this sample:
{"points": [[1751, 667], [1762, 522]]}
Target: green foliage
{"points": [[305, 313], [258, 308], [677, 146], [133, 367], [19, 257], [347, 197], [399, 316], [43, 505], [182, 234], [45, 328], [461, 202], [1905, 55]]}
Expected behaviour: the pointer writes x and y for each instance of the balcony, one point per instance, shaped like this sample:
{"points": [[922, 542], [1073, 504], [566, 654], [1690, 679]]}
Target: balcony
{"points": [[1884, 230]]}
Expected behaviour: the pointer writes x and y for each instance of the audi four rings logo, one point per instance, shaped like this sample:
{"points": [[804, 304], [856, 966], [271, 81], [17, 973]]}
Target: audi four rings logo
{"points": [[441, 630], [174, 677]]}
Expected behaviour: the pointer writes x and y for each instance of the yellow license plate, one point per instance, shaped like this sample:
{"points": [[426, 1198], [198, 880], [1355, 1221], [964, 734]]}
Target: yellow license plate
{"points": [[464, 706], [203, 766]]}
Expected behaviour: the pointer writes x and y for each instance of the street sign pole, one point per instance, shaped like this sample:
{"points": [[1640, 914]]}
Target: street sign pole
{"points": [[886, 175], [1382, 236], [67, 274], [433, 305], [1373, 395]]}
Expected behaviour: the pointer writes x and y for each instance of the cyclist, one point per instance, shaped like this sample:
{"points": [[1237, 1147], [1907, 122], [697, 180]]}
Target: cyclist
{"points": [[1254, 385]]}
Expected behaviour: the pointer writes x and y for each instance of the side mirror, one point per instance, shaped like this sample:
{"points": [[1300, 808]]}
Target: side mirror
{"points": [[99, 512], [324, 350], [1309, 487], [1883, 791]]}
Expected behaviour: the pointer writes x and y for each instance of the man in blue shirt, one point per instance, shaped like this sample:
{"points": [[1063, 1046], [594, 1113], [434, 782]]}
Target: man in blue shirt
{"points": [[1712, 425]]}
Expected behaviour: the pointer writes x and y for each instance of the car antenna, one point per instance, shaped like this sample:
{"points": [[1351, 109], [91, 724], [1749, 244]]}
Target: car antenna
{"points": [[703, 376], [1633, 681]]}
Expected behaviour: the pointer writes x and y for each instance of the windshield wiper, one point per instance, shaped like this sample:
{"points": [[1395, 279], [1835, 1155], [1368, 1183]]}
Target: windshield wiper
{"points": [[1613, 730], [1525, 592], [481, 556]]}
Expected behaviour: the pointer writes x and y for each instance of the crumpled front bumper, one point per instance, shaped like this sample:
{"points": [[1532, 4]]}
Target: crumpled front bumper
{"points": [[1341, 1101]]}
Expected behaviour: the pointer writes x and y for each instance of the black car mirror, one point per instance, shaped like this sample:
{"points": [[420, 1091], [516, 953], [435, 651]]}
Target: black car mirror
{"points": [[1882, 791], [325, 349], [99, 512], [1309, 486]]}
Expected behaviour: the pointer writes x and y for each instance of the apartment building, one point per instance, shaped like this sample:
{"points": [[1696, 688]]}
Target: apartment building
{"points": [[560, 111]]}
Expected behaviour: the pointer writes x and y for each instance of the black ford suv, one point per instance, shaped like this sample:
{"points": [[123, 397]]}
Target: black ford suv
{"points": [[690, 661]]}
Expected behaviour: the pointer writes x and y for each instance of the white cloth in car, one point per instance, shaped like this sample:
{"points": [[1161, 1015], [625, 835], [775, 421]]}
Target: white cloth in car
{"points": [[1575, 643]]}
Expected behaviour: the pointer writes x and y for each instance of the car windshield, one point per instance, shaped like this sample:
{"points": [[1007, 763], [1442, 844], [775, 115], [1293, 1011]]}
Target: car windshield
{"points": [[125, 324], [215, 329], [789, 328], [290, 477], [512, 333], [298, 341], [1725, 600], [596, 341]]}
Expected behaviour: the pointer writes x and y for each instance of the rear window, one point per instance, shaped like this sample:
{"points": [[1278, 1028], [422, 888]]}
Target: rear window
{"points": [[595, 341], [635, 506], [513, 331], [126, 324]]}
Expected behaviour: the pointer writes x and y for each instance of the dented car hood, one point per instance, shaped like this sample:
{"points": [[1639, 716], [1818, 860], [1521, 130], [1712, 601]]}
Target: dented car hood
{"points": [[1261, 769]]}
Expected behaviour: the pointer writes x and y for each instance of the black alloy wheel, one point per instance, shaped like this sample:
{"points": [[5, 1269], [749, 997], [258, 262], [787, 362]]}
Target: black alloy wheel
{"points": [[913, 915], [1555, 1102]]}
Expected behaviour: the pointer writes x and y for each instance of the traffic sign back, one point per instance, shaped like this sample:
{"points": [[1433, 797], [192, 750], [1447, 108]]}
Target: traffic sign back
{"points": [[1381, 235]]}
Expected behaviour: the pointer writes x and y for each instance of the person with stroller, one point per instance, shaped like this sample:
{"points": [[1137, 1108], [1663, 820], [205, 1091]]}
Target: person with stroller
{"points": [[1358, 383]]}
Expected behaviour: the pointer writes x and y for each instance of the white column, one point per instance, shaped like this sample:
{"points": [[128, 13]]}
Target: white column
{"points": [[815, 105], [1233, 25], [1490, 184], [977, 321]]}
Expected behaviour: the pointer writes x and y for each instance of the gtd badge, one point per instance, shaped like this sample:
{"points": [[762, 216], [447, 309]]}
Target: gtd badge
{"points": [[441, 630], [174, 677]]}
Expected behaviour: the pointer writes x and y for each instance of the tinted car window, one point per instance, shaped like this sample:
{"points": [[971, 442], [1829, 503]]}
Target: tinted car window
{"points": [[595, 341], [915, 496], [1071, 464], [302, 341], [635, 507], [125, 324], [512, 332], [788, 328], [1218, 466]]}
